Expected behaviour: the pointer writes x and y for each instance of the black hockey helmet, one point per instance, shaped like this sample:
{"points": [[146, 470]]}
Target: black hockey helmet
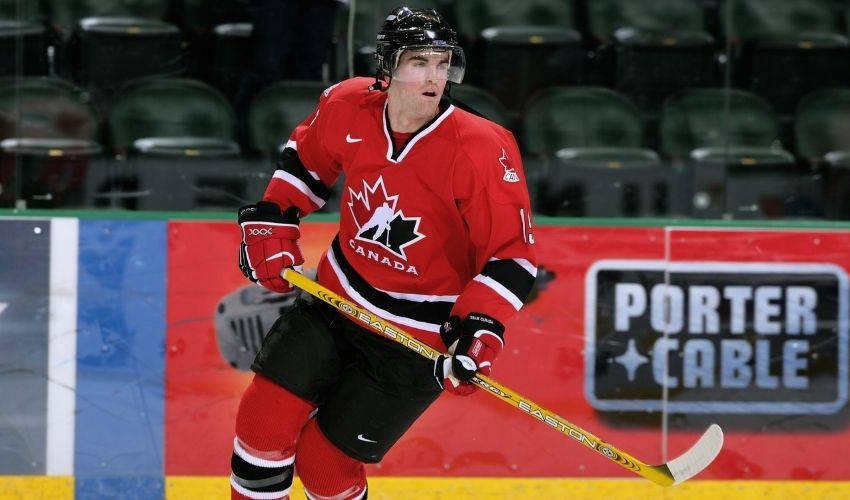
{"points": [[417, 29]]}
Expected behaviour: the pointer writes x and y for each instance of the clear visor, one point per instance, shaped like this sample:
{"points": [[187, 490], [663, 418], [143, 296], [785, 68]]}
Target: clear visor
{"points": [[423, 63]]}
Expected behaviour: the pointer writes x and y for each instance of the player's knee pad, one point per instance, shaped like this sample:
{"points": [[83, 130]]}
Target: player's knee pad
{"points": [[326, 472], [267, 427]]}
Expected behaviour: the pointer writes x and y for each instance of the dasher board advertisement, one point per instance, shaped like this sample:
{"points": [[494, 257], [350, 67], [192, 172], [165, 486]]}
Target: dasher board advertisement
{"points": [[718, 337]]}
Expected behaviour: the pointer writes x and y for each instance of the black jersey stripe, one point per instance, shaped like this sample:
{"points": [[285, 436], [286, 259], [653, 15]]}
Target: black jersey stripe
{"points": [[512, 276], [434, 312], [290, 163]]}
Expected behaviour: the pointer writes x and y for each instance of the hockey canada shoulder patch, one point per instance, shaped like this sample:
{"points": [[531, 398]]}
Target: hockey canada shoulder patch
{"points": [[510, 173]]}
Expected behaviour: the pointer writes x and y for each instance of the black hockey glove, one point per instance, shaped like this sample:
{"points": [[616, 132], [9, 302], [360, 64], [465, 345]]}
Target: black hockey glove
{"points": [[473, 343], [269, 244]]}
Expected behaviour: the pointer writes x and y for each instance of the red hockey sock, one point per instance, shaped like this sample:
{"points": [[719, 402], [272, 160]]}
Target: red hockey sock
{"points": [[267, 427], [326, 472]]}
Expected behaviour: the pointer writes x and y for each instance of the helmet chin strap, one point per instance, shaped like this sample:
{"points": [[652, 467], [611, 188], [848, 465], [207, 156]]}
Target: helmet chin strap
{"points": [[379, 84], [379, 76]]}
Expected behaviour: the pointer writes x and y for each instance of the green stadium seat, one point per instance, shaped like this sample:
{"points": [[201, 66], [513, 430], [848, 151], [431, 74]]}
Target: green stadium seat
{"points": [[277, 110], [45, 108], [48, 135], [574, 117], [545, 56], [535, 39], [659, 47], [771, 36], [592, 138], [31, 38], [698, 118], [726, 138], [176, 138], [188, 173], [822, 137], [482, 102], [474, 16], [747, 184], [108, 51], [605, 182], [104, 43], [605, 17], [822, 124], [171, 108], [66, 14]]}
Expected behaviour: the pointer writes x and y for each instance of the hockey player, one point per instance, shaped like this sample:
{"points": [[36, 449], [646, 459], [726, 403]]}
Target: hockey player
{"points": [[434, 236]]}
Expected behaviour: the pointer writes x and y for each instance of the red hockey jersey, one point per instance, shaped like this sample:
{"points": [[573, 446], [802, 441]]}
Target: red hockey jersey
{"points": [[437, 227]]}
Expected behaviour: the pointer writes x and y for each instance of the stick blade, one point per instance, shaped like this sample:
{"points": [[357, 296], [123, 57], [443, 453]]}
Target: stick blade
{"points": [[698, 457]]}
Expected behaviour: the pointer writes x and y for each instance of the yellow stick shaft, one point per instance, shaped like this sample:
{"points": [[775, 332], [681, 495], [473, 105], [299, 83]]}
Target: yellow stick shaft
{"points": [[657, 474]]}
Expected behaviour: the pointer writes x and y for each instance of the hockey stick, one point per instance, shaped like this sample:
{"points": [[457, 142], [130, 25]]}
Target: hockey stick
{"points": [[681, 468]]}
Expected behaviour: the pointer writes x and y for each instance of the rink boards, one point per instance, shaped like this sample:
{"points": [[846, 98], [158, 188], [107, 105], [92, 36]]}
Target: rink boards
{"points": [[113, 374]]}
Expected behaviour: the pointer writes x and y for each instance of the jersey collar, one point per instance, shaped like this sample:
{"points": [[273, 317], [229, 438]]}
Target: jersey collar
{"points": [[398, 156]]}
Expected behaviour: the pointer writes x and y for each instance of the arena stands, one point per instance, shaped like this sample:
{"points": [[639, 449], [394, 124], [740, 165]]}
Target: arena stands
{"points": [[691, 108]]}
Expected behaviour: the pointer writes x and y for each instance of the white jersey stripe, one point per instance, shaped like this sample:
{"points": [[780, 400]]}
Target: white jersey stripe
{"points": [[528, 266], [428, 327], [420, 298], [299, 185], [501, 290], [415, 138], [425, 132]]}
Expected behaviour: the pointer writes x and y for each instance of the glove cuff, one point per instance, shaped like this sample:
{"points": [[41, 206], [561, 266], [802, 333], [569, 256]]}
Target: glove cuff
{"points": [[473, 326], [476, 322], [268, 211]]}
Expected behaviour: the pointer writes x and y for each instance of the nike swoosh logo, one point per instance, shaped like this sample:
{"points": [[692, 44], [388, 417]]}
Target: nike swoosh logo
{"points": [[360, 437], [350, 139]]}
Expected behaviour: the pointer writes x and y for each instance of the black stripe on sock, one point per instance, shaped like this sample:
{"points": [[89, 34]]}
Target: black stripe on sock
{"points": [[260, 479]]}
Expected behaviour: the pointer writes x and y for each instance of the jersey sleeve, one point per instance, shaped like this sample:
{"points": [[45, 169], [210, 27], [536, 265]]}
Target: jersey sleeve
{"points": [[306, 167], [493, 201]]}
